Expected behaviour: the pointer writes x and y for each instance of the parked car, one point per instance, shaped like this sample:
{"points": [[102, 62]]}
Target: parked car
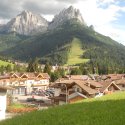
{"points": [[30, 100]]}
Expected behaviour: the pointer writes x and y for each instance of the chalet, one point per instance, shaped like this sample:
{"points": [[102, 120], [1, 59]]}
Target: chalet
{"points": [[113, 77], [70, 91], [121, 83], [75, 88], [24, 83], [109, 87]]}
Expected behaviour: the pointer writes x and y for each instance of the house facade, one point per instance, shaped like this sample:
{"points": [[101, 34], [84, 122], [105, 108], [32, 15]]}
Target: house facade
{"points": [[70, 91], [25, 83]]}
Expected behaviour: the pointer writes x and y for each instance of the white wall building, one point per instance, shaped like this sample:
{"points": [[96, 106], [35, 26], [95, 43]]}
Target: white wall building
{"points": [[3, 101]]}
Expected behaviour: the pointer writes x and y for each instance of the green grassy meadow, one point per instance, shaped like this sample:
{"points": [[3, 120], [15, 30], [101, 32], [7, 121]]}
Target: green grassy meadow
{"points": [[76, 52], [106, 110], [3, 63]]}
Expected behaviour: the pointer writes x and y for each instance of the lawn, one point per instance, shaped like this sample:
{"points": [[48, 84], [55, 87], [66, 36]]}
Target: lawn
{"points": [[106, 110], [76, 52], [3, 63]]}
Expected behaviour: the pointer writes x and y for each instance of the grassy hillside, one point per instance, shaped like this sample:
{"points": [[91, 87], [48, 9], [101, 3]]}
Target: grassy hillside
{"points": [[76, 53], [4, 63], [107, 110]]}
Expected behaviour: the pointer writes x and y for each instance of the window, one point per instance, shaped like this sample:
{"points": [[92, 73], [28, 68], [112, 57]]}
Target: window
{"points": [[78, 89], [123, 85]]}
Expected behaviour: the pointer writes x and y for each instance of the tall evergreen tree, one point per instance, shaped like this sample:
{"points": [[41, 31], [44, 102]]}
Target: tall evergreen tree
{"points": [[30, 66], [8, 68], [33, 65], [47, 68]]}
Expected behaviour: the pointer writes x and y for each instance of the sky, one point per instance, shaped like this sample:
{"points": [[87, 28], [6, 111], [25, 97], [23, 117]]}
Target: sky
{"points": [[107, 16]]}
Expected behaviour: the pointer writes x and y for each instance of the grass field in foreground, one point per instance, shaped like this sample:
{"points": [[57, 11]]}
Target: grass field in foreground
{"points": [[76, 52], [106, 110]]}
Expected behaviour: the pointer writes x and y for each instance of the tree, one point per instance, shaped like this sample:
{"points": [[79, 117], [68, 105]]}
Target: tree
{"points": [[33, 65], [54, 76], [36, 65], [30, 66], [2, 69], [8, 68], [61, 72], [47, 68], [76, 71]]}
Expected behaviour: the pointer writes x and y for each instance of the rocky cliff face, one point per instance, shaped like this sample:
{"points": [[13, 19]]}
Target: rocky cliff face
{"points": [[26, 23], [66, 14]]}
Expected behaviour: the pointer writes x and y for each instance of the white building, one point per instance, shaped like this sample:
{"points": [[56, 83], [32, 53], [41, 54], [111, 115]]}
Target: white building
{"points": [[24, 83], [3, 101]]}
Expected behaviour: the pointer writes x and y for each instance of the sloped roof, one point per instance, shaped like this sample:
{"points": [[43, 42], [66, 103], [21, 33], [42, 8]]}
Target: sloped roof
{"points": [[94, 83], [121, 81], [28, 74], [73, 95], [80, 83], [115, 76], [108, 84], [78, 77], [85, 88]]}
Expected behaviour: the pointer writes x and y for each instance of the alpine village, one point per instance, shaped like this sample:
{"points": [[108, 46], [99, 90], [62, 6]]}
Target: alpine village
{"points": [[61, 72]]}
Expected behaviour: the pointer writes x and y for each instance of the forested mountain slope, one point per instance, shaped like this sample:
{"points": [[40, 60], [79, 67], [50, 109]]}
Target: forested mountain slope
{"points": [[55, 45]]}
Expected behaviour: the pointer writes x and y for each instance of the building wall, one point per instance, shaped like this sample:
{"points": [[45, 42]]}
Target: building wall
{"points": [[57, 91], [78, 98], [62, 102], [2, 105], [76, 88]]}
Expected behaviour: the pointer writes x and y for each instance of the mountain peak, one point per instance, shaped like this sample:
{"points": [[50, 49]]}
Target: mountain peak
{"points": [[26, 23], [71, 7], [65, 15]]}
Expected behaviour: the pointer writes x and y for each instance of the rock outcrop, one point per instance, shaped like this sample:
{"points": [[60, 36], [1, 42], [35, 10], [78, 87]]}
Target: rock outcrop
{"points": [[26, 23], [66, 14]]}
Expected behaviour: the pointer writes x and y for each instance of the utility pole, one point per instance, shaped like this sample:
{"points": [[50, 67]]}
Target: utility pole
{"points": [[66, 93]]}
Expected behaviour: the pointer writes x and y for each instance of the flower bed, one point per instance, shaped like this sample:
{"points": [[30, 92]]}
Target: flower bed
{"points": [[20, 108]]}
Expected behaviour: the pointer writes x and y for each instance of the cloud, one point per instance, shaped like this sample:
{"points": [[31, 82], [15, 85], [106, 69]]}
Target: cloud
{"points": [[8, 8], [103, 17], [45, 7], [103, 14], [69, 1]]}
